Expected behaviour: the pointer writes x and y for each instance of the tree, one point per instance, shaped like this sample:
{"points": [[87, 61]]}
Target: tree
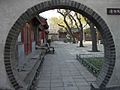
{"points": [[65, 13], [71, 20], [80, 27], [54, 21], [64, 28], [93, 35], [59, 22]]}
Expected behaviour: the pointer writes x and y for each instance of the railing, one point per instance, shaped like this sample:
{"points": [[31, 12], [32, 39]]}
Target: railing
{"points": [[84, 60]]}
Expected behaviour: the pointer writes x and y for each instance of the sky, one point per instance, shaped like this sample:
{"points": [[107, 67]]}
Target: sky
{"points": [[49, 14]]}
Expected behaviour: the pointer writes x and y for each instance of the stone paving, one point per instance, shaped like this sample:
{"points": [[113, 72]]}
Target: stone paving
{"points": [[86, 50], [61, 71]]}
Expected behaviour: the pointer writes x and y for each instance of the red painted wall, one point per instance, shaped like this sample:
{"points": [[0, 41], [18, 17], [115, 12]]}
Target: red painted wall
{"points": [[27, 38]]}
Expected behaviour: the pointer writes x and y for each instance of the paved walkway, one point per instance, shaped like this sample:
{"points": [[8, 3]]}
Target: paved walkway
{"points": [[61, 71]]}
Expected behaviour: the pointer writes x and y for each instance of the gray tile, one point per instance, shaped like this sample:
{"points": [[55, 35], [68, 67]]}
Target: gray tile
{"points": [[69, 84], [84, 88], [43, 85], [73, 74], [57, 88], [67, 77], [56, 80], [68, 80], [56, 84], [82, 84], [77, 76], [79, 80], [44, 81], [45, 78], [58, 72], [71, 88], [74, 70], [42, 88], [55, 74]]}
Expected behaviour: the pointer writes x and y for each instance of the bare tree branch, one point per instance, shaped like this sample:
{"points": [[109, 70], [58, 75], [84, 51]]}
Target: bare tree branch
{"points": [[79, 19], [64, 28], [85, 25], [71, 20], [64, 14], [87, 20], [59, 11], [74, 21]]}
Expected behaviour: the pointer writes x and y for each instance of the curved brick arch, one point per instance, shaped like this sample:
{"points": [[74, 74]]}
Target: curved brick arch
{"points": [[108, 66]]}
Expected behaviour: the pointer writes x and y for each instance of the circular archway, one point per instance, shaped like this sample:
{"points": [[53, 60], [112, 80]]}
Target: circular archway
{"points": [[9, 53]]}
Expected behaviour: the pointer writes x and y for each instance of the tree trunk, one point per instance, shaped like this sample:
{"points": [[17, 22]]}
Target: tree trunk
{"points": [[64, 14], [93, 35], [69, 30], [94, 38], [80, 30], [81, 38]]}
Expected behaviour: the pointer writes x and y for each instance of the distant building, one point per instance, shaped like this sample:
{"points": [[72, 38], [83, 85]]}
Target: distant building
{"points": [[62, 35], [53, 33], [53, 36], [76, 33]]}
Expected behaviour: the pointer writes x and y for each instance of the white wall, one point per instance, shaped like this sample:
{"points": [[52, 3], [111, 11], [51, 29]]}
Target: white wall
{"points": [[10, 10]]}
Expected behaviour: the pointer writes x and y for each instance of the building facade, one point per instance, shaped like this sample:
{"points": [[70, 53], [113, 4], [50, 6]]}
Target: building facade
{"points": [[32, 34]]}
